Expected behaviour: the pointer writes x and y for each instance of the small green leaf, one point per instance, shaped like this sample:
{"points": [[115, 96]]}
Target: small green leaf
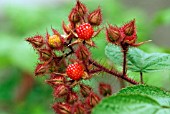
{"points": [[138, 99], [114, 54], [138, 60]]}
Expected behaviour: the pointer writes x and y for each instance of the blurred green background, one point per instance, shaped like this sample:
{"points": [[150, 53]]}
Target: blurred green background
{"points": [[20, 91]]}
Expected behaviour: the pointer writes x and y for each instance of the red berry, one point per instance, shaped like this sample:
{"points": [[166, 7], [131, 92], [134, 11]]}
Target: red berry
{"points": [[75, 71], [85, 31]]}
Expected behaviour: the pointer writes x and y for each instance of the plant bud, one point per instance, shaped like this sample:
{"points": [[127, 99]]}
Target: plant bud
{"points": [[130, 39], [82, 53], [95, 18], [81, 8], [45, 54], [78, 108], [40, 69], [92, 99], [129, 28], [105, 89], [62, 108], [85, 90], [72, 97], [58, 80], [60, 90], [36, 41], [113, 34], [74, 16]]}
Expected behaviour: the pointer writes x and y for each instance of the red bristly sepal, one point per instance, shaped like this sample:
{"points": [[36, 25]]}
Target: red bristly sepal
{"points": [[55, 81], [95, 17], [78, 108], [92, 99], [60, 90], [62, 108], [105, 89], [85, 90], [37, 41], [113, 35], [72, 97]]}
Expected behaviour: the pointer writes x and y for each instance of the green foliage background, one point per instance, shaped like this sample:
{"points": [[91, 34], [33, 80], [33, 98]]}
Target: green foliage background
{"points": [[18, 57]]}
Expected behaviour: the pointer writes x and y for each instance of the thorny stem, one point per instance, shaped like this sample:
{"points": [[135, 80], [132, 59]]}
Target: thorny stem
{"points": [[71, 48], [124, 51], [124, 62], [67, 54], [113, 72], [94, 71], [141, 77]]}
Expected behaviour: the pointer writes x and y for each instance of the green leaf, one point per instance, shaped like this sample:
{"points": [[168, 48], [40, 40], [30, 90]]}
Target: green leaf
{"points": [[156, 93], [138, 60], [114, 54], [138, 99], [132, 104]]}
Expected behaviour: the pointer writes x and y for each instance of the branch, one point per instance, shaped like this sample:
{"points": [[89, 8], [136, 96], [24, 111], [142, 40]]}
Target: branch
{"points": [[95, 71], [141, 77], [124, 62], [124, 51], [113, 72]]}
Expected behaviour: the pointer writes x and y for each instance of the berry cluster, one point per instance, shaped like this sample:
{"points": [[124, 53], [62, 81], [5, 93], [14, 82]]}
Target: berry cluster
{"points": [[67, 60], [71, 64]]}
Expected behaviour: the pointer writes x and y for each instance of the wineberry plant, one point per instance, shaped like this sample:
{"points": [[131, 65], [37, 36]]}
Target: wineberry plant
{"points": [[66, 59]]}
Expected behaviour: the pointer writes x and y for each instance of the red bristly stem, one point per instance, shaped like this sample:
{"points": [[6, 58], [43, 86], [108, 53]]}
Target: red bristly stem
{"points": [[113, 72], [94, 71], [141, 77], [124, 62], [124, 51]]}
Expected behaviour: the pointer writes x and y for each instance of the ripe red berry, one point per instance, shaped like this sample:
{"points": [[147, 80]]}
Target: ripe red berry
{"points": [[75, 71], [85, 31]]}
